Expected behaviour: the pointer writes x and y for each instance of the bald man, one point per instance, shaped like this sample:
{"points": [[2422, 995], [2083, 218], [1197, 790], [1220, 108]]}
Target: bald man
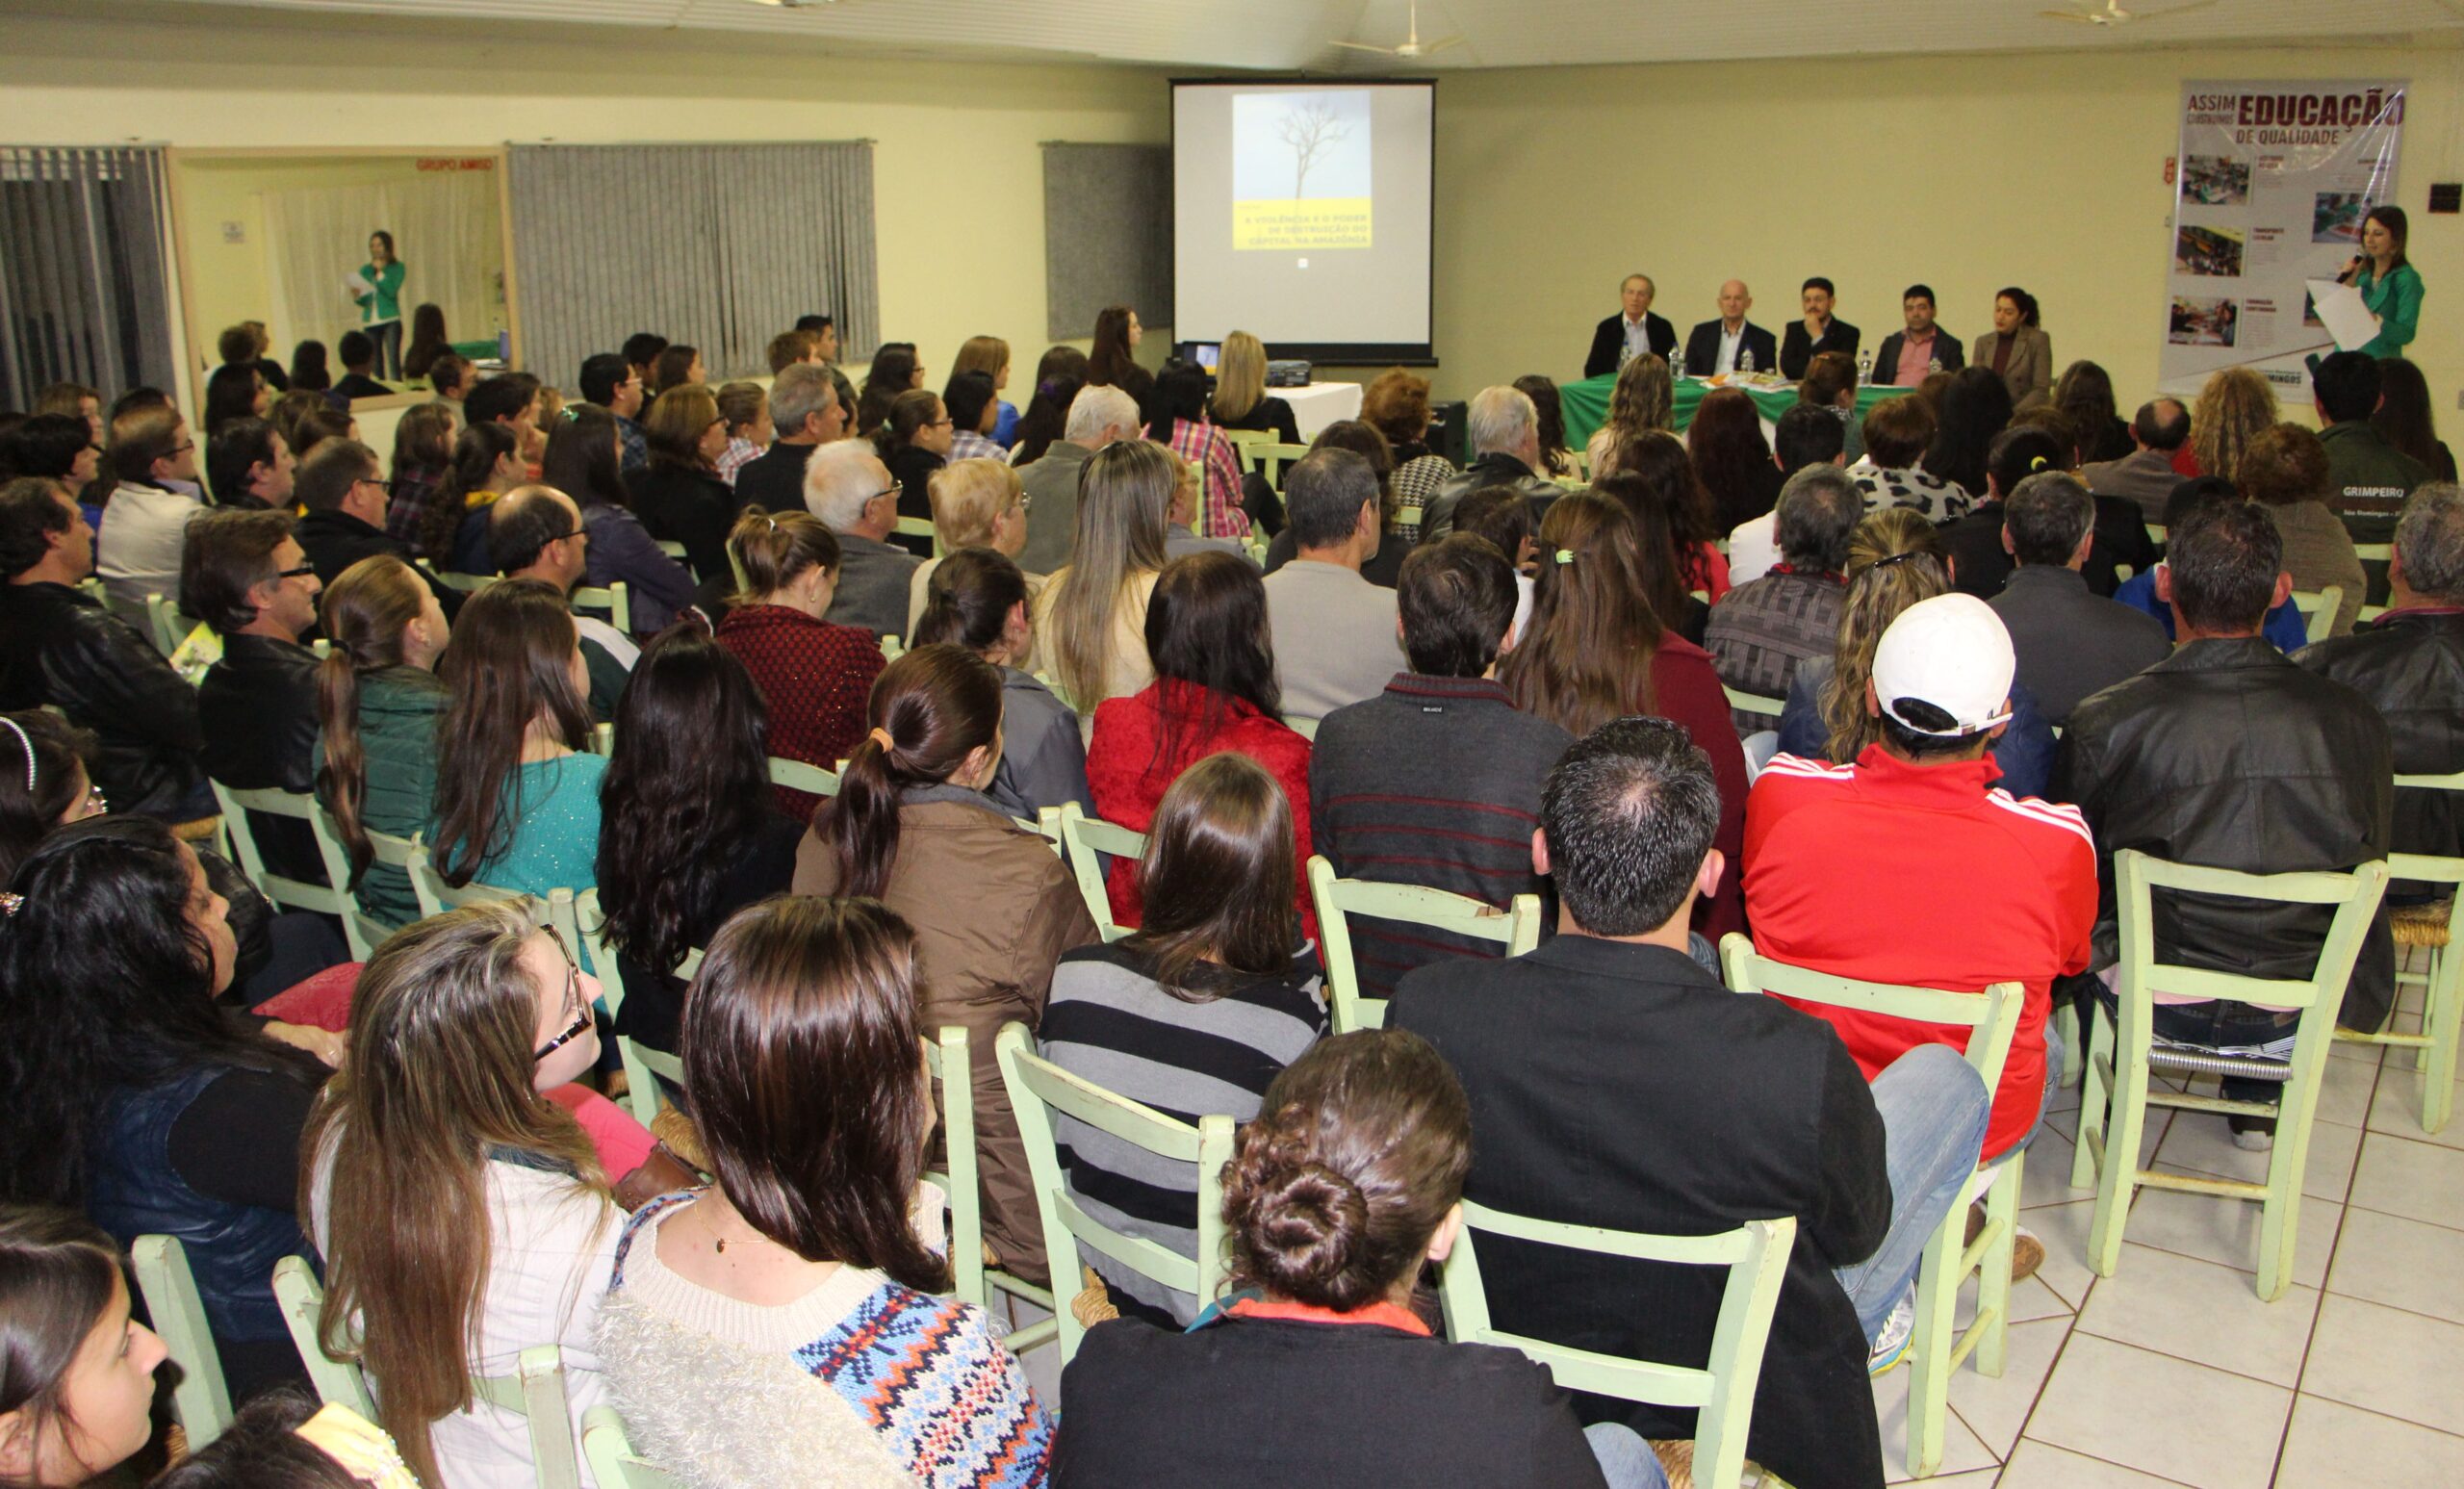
{"points": [[1718, 346]]}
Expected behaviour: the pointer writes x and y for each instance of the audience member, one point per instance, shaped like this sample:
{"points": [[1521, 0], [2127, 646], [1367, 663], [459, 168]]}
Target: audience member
{"points": [[1097, 417], [308, 372], [248, 343], [57, 788], [1640, 400], [2118, 537], [977, 503], [2364, 471], [913, 443], [1898, 431], [813, 674], [2234, 407], [1111, 358], [428, 341], [2145, 476], [2286, 630], [2404, 419], [377, 707], [1807, 434], [1975, 408], [517, 791], [1730, 342], [76, 1401], [1595, 651], [1556, 460], [641, 353], [357, 351], [1830, 384], [451, 378], [285, 1439], [991, 906], [1505, 451], [1981, 563], [980, 600], [1395, 404], [583, 463], [234, 392], [745, 408], [154, 459], [2085, 392], [1180, 421], [805, 412], [990, 356], [306, 421], [679, 497], [245, 575], [850, 491], [345, 504], [1759, 634], [1363, 439], [1656, 483], [69, 398], [1634, 333], [615, 385], [1090, 617], [422, 463], [509, 399], [1241, 400], [1753, 1108], [1732, 462], [2287, 472], [1500, 515], [749, 1326], [2229, 755], [1908, 358], [1331, 625], [789, 347], [1060, 375], [975, 412], [894, 371], [678, 366], [487, 463], [57, 448], [536, 533], [2070, 643], [1819, 333]]}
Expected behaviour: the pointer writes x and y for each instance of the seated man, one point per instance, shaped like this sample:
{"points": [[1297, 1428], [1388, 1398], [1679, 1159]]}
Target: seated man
{"points": [[849, 489], [1505, 451], [2146, 474], [1908, 356], [1630, 333], [2227, 755], [1952, 883], [1730, 342], [535, 533], [2070, 643], [248, 464], [2364, 473], [345, 500], [451, 378], [1760, 629], [1807, 434], [1616, 1083], [2285, 630], [1980, 563], [66, 650], [1336, 638], [357, 350], [615, 385], [1817, 333], [245, 575], [147, 517], [1098, 417], [1435, 781]]}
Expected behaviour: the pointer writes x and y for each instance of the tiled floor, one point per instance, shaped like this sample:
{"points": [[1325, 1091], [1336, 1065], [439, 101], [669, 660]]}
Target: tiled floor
{"points": [[2172, 1371]]}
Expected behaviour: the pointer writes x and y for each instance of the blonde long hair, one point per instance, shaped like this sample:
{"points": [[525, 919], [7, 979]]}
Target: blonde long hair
{"points": [[1642, 400], [1124, 495], [1239, 376], [2235, 406], [1895, 558]]}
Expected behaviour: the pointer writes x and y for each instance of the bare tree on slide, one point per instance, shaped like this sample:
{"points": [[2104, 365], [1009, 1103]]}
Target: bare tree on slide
{"points": [[1311, 132]]}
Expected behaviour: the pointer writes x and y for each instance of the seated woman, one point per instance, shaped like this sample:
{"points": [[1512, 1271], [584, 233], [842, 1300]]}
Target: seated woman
{"points": [[1194, 1011], [975, 412], [377, 707], [989, 355], [915, 441], [130, 1095], [976, 503], [43, 783], [1241, 399], [1732, 459], [679, 496], [517, 796], [1349, 1181], [979, 601], [1641, 401], [1554, 458], [1214, 690], [991, 906], [1395, 404], [779, 1327], [746, 408], [585, 451], [462, 1220], [77, 1396], [1666, 481], [1181, 424], [813, 676], [689, 831], [487, 463], [2285, 469], [1060, 373], [1091, 618], [422, 457]]}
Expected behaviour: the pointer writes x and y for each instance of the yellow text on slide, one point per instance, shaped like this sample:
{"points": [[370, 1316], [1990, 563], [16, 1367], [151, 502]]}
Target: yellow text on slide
{"points": [[1301, 222]]}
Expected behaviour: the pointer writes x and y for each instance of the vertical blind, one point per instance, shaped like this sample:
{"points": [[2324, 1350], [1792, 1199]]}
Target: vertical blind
{"points": [[83, 293], [719, 246]]}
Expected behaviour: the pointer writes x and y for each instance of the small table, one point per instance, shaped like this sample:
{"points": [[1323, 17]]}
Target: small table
{"points": [[1585, 403], [1322, 404]]}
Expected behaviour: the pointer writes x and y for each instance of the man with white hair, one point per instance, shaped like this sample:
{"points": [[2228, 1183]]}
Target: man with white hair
{"points": [[849, 489], [1098, 417], [1505, 451]]}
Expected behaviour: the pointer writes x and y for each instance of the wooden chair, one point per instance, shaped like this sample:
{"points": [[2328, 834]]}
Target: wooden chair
{"points": [[1038, 1088], [612, 1461], [1272, 458], [798, 776], [362, 930], [672, 549], [944, 1053], [1756, 1255], [2114, 1102], [200, 1401], [1992, 1017], [1755, 702], [436, 896], [1249, 445], [1518, 929], [1085, 842], [2318, 607], [302, 1299], [644, 1068], [299, 807], [617, 600], [2429, 929]]}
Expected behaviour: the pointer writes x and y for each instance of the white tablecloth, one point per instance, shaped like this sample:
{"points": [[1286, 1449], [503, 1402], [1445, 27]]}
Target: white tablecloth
{"points": [[1319, 405]]}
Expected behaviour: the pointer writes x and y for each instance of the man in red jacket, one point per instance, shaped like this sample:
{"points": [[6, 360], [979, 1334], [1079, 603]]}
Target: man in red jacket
{"points": [[1910, 867]]}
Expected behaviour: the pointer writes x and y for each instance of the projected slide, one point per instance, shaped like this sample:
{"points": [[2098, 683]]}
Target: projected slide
{"points": [[1300, 170]]}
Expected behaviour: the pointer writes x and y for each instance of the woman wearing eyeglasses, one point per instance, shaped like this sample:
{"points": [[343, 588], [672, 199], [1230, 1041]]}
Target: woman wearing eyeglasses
{"points": [[915, 442], [463, 1217]]}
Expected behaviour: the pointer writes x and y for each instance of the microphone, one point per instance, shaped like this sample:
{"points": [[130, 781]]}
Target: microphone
{"points": [[2353, 267]]}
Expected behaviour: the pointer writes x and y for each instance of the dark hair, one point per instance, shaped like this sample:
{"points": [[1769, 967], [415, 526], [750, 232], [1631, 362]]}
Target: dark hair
{"points": [[2018, 454], [675, 424], [908, 414], [1501, 514], [1917, 291], [1216, 879], [379, 235], [237, 448], [356, 349], [1206, 626], [31, 509], [62, 757], [308, 372], [1810, 434], [326, 474], [1587, 653], [58, 1276], [365, 611], [2196, 495], [2020, 300], [801, 1044], [2085, 390], [1457, 598], [581, 459], [1109, 359], [476, 453], [428, 341], [642, 349], [509, 664], [2399, 227], [2284, 464], [1629, 813], [1322, 495], [2224, 562], [2158, 432], [1897, 429], [1828, 375], [1818, 282], [46, 446], [294, 408], [1654, 483], [773, 552], [138, 438], [603, 373], [1180, 396], [966, 396], [1817, 513], [892, 373], [237, 343], [969, 598], [2045, 516], [937, 704], [506, 396], [2347, 385], [1726, 443], [523, 522], [1059, 377], [1357, 1153], [225, 555], [812, 322], [1364, 438], [741, 405], [311, 429], [674, 366], [446, 369], [1552, 415], [686, 789], [231, 393], [1975, 408], [262, 1448]]}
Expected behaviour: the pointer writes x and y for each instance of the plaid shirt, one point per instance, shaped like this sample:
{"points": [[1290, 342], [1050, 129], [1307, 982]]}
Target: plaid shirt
{"points": [[636, 453], [739, 454], [1201, 444], [968, 444]]}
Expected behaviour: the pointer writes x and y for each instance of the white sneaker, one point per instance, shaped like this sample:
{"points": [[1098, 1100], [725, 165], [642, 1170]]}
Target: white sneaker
{"points": [[1898, 1331]]}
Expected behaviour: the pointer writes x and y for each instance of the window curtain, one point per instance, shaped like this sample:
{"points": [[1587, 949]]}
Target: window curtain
{"points": [[85, 296], [718, 247], [446, 231]]}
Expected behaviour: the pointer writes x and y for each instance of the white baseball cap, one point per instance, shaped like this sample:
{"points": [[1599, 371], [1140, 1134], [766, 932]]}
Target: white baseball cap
{"points": [[1952, 652]]}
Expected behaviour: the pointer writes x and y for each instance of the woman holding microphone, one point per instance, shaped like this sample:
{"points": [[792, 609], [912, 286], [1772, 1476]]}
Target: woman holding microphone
{"points": [[2389, 284], [381, 309]]}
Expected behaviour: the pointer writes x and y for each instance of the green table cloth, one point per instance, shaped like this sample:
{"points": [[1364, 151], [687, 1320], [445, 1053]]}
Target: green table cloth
{"points": [[1585, 403]]}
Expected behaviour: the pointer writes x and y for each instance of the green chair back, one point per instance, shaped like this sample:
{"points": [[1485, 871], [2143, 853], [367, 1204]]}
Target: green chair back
{"points": [[1087, 840], [616, 598], [299, 807], [945, 1058], [1038, 1088], [200, 1401], [1306, 729], [1247, 444], [799, 776], [644, 1068], [555, 908], [362, 930], [1993, 1013], [2318, 607], [671, 548], [1272, 458], [302, 1299], [920, 528], [613, 1463], [2443, 1003], [1755, 702], [1756, 1255], [1518, 929]]}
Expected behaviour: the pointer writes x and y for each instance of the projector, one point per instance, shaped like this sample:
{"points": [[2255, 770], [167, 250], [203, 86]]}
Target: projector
{"points": [[1287, 375]]}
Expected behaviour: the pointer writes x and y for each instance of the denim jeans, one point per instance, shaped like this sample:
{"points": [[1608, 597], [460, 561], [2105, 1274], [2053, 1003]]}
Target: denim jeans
{"points": [[1933, 1109], [1626, 1460], [2216, 1025], [388, 336]]}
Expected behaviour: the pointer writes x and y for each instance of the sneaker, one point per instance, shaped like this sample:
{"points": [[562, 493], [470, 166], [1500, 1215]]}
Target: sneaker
{"points": [[2252, 1134], [1899, 1330]]}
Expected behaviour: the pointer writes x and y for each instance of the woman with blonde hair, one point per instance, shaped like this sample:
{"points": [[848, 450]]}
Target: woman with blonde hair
{"points": [[1641, 401], [1091, 620], [2233, 408], [976, 503], [813, 674], [1240, 398], [377, 707], [1895, 558], [990, 356]]}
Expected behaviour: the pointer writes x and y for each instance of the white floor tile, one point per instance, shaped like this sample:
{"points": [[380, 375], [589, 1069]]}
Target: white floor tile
{"points": [[2399, 1262], [2064, 1230], [2226, 1231], [2332, 1445], [2201, 1143], [2201, 1312], [2385, 1360], [1996, 1409], [2162, 1414], [1961, 1452], [2344, 1094], [2043, 1466], [2422, 1181], [2396, 1107], [2047, 1179]]}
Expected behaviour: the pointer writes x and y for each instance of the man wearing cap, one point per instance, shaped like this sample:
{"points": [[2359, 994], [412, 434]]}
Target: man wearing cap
{"points": [[1909, 867]]}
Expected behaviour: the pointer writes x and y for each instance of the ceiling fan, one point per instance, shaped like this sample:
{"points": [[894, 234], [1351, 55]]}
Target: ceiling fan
{"points": [[1413, 45], [2112, 14]]}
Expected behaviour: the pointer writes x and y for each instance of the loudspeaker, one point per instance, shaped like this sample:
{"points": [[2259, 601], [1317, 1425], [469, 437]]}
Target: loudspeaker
{"points": [[1448, 432]]}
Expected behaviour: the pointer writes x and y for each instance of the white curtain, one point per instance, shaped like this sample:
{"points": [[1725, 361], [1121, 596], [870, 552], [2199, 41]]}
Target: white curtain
{"points": [[446, 231]]}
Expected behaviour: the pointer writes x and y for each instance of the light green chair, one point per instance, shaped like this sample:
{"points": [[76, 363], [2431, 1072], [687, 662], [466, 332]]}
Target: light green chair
{"points": [[1755, 702], [1306, 729], [2115, 1098], [919, 527], [1086, 840], [1272, 458], [1247, 444], [1993, 1019], [671, 548], [613, 1463], [362, 930], [2432, 931], [1518, 928], [2318, 607], [297, 805], [616, 598], [798, 776], [602, 739], [436, 897], [975, 1282], [168, 626], [200, 1401], [644, 1068], [1756, 1255], [302, 1299], [1038, 1088]]}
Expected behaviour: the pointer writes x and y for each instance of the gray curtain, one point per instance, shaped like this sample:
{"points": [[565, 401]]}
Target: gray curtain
{"points": [[720, 246], [83, 293], [1107, 234]]}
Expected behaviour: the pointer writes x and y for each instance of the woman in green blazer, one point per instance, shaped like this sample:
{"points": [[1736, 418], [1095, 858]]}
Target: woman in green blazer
{"points": [[381, 310], [2389, 284]]}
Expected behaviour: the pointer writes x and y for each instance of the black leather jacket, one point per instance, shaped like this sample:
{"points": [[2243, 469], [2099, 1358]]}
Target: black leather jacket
{"points": [[59, 647], [258, 706], [1496, 468], [2410, 663], [2227, 755]]}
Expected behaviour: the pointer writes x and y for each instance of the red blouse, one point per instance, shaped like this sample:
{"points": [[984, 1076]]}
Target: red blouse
{"points": [[1688, 691], [816, 677]]}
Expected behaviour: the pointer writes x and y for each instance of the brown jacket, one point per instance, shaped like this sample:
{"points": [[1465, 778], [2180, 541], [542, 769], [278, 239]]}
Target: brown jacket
{"points": [[993, 909]]}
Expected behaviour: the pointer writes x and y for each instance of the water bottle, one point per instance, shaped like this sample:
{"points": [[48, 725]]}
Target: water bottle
{"points": [[1745, 361], [504, 346], [1932, 364], [1865, 367]]}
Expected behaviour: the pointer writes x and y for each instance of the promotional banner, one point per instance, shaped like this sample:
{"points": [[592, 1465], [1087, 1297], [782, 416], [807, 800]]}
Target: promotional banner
{"points": [[2274, 180]]}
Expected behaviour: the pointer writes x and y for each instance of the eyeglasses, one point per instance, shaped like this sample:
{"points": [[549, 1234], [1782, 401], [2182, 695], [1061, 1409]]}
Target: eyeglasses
{"points": [[890, 490], [184, 449], [583, 1019], [300, 573], [386, 487]]}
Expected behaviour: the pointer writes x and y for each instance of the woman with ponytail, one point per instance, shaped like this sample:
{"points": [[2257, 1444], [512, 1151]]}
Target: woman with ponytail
{"points": [[1349, 1181], [453, 534], [979, 599], [377, 707], [992, 908], [813, 674]]}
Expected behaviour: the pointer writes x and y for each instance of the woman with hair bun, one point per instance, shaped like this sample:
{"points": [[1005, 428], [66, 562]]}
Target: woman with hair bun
{"points": [[813, 674], [1348, 1180], [77, 1393]]}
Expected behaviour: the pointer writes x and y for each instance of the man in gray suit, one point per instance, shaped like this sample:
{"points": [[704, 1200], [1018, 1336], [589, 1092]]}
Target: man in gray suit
{"points": [[849, 489], [2070, 643], [1098, 417], [2146, 474]]}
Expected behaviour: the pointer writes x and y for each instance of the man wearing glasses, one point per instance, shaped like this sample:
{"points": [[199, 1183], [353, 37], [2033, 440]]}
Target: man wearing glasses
{"points": [[245, 575], [849, 489], [154, 459], [340, 487]]}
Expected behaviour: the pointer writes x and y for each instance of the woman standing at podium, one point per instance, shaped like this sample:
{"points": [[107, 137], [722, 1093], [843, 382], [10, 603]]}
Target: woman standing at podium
{"points": [[2389, 284]]}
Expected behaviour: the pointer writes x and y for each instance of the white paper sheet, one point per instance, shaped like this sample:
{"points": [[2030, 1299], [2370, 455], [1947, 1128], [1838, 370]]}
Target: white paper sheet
{"points": [[2348, 319]]}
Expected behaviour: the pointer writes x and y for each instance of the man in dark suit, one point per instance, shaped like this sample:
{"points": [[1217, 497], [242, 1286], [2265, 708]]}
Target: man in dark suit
{"points": [[1721, 345], [1906, 355], [804, 409], [1632, 331], [1616, 1083], [1818, 332]]}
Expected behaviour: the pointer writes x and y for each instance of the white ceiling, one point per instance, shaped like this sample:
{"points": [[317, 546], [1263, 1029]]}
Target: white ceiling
{"points": [[1293, 34]]}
